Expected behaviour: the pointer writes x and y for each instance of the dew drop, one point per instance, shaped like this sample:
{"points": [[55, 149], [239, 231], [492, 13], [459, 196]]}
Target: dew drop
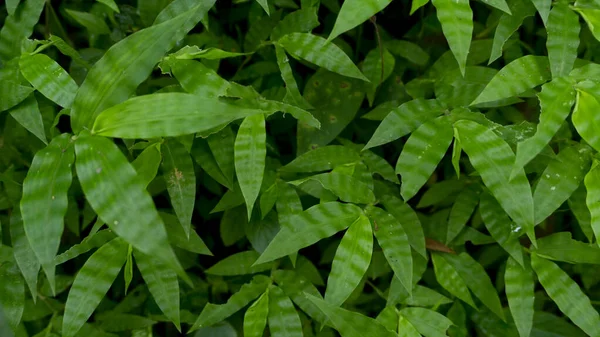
{"points": [[552, 188], [115, 222]]}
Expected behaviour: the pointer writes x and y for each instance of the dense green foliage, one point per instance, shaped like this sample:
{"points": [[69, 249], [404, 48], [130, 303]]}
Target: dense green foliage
{"points": [[357, 168]]}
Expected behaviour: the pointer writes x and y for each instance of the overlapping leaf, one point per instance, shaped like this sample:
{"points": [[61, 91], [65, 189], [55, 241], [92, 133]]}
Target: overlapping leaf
{"points": [[563, 39], [519, 287], [456, 18], [12, 294], [28, 114], [355, 12], [585, 120], [509, 23], [239, 264], [25, 257], [18, 27], [500, 227], [283, 318], [250, 153], [49, 78], [428, 322], [255, 319], [449, 279]]}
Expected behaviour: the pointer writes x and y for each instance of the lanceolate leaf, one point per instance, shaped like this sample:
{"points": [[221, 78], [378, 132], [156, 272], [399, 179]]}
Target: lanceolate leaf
{"points": [[519, 287], [250, 153], [449, 279], [293, 93], [18, 27], [500, 227], [25, 257], [316, 223], [28, 114], [409, 221], [394, 242], [578, 205], [221, 145], [329, 56], [352, 258], [300, 21], [178, 172], [49, 78], [127, 63], [567, 295], [556, 100], [92, 283], [516, 77], [214, 313], [421, 154], [322, 159], [355, 12], [592, 184], [115, 192], [494, 166], [563, 39], [12, 94], [561, 247], [12, 294], [404, 119], [147, 163], [456, 18], [509, 23], [283, 318], [239, 264], [162, 283], [348, 188], [44, 201], [543, 8], [559, 180], [428, 322], [461, 211], [255, 319], [585, 120], [591, 16]]}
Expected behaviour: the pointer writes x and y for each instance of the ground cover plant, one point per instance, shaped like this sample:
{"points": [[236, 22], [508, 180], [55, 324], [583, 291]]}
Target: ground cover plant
{"points": [[299, 168]]}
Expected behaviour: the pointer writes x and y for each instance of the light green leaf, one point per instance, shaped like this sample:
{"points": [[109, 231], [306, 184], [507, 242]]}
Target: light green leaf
{"points": [[178, 172], [456, 18], [194, 52], [346, 187], [300, 21], [317, 50], [425, 297], [18, 27], [111, 4], [561, 247], [499, 4], [196, 78], [351, 261], [250, 154], [203, 156], [355, 12], [11, 6], [283, 318], [293, 94], [5, 329], [118, 196], [404, 119], [563, 39], [92, 283], [508, 24], [388, 318], [268, 198], [322, 159], [349, 323], [493, 158], [450, 280], [520, 75], [543, 8], [422, 153], [128, 271], [12, 294], [500, 227], [428, 322], [162, 283], [94, 240], [44, 201], [559, 180], [394, 242], [556, 100], [592, 18], [461, 211], [28, 114], [255, 319], [115, 77], [409, 221], [49, 78], [178, 237], [567, 295], [577, 205], [215, 313], [221, 145], [239, 264], [316, 223], [12, 94], [586, 120], [519, 287], [378, 66], [24, 255], [408, 50], [92, 22], [147, 163], [592, 184]]}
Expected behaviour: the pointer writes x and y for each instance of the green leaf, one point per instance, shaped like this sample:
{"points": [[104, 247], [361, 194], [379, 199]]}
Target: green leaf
{"points": [[543, 8], [456, 18], [405, 119], [268, 198], [239, 264], [428, 322], [500, 227], [556, 100], [355, 12], [192, 243], [12, 94], [559, 180], [221, 145], [348, 323], [493, 158], [394, 242], [255, 319], [24, 255], [28, 114], [178, 172], [585, 120], [409, 221], [579, 208], [162, 283], [519, 287], [215, 313], [293, 94], [422, 153], [12, 294], [115, 77], [329, 56], [49, 78], [204, 157], [118, 196], [11, 6], [450, 280], [18, 27], [378, 66], [94, 240], [561, 247], [592, 184], [322, 159], [567, 295], [510, 81], [316, 223], [592, 18], [351, 261], [110, 4], [44, 201], [510, 23], [563, 39], [499, 4], [147, 163], [250, 154], [408, 50], [303, 21], [92, 283], [346, 187], [92, 22], [283, 318], [128, 271], [424, 297], [461, 211]]}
